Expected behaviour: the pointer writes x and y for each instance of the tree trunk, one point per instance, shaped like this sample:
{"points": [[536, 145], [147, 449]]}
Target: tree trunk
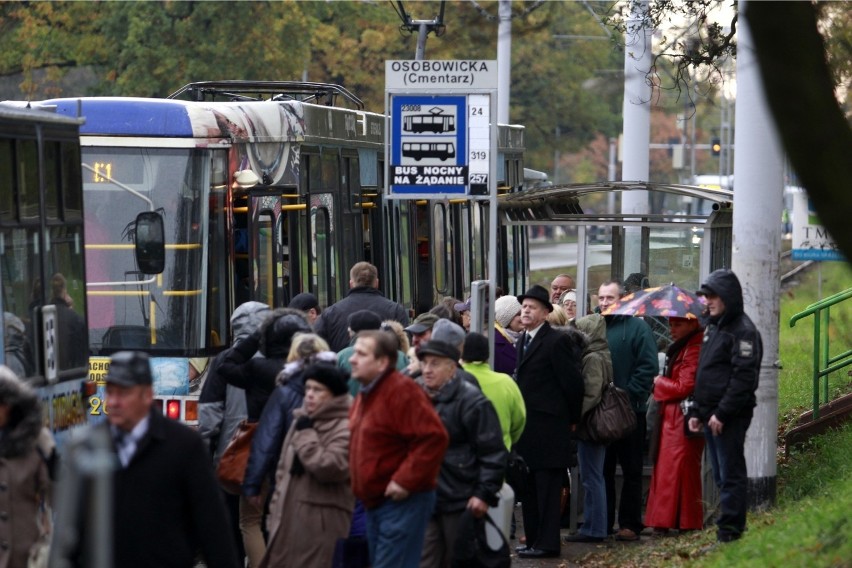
{"points": [[814, 132]]}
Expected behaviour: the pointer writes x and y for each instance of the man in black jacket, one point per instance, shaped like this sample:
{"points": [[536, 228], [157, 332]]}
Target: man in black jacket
{"points": [[551, 382], [333, 324], [473, 467], [725, 385]]}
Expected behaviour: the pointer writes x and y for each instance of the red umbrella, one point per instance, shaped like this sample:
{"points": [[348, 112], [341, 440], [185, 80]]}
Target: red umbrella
{"points": [[666, 301]]}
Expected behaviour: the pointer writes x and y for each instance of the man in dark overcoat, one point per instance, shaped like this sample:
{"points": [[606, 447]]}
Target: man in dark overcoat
{"points": [[167, 503], [551, 381]]}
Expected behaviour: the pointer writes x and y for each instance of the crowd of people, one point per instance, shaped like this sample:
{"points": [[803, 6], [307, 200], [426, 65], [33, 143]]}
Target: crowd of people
{"points": [[377, 438]]}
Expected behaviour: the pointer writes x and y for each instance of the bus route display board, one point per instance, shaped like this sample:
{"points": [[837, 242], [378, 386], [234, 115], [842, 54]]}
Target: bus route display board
{"points": [[441, 128]]}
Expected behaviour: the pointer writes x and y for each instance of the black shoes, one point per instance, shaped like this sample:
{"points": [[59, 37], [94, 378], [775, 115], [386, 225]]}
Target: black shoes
{"points": [[536, 553], [582, 538]]}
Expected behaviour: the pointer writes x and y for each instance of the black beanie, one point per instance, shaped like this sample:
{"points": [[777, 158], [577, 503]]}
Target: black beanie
{"points": [[328, 375], [364, 319], [475, 348]]}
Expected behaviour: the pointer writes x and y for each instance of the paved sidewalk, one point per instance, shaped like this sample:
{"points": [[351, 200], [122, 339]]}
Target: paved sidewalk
{"points": [[572, 554]]}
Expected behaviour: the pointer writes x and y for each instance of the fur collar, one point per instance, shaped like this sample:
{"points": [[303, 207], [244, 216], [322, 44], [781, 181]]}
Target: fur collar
{"points": [[25, 421]]}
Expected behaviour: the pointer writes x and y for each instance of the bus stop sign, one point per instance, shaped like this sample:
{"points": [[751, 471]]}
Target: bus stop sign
{"points": [[441, 128]]}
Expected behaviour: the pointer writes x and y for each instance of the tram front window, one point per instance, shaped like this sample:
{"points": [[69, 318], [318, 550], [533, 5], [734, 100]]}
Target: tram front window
{"points": [[128, 308]]}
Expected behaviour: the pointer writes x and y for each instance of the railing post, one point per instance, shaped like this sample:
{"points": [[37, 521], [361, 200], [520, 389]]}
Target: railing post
{"points": [[817, 345], [823, 367], [825, 353]]}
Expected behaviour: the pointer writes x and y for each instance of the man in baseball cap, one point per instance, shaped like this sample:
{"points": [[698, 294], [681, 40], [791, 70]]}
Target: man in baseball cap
{"points": [[129, 389], [474, 427], [421, 329]]}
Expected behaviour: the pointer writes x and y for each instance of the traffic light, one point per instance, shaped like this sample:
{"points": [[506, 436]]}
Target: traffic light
{"points": [[716, 146]]}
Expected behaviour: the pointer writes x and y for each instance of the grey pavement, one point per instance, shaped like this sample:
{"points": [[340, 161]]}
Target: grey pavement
{"points": [[571, 554]]}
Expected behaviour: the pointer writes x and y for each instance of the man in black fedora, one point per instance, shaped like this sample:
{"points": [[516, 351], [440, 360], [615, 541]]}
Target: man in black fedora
{"points": [[550, 378], [167, 503]]}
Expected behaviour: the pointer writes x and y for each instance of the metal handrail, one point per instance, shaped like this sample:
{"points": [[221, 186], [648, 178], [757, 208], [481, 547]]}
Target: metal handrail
{"points": [[824, 365]]}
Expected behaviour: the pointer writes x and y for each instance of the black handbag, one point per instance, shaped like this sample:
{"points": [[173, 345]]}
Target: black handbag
{"points": [[516, 473], [471, 549], [613, 418], [351, 552]]}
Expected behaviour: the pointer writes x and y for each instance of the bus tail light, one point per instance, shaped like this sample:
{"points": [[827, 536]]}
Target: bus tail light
{"points": [[173, 409], [190, 410], [90, 388]]}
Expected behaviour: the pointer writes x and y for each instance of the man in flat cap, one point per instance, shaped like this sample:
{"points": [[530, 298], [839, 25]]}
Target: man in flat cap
{"points": [[551, 382], [472, 470], [421, 332], [167, 503]]}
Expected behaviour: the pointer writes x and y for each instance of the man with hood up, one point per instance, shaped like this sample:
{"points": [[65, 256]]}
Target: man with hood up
{"points": [[725, 385], [221, 406]]}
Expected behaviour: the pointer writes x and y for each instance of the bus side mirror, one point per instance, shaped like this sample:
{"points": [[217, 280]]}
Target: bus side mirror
{"points": [[150, 242]]}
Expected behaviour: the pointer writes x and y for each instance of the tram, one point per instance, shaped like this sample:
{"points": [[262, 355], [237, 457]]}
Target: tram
{"points": [[43, 297], [265, 190]]}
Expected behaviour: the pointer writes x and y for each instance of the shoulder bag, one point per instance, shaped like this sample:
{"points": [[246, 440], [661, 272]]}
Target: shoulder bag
{"points": [[613, 418], [472, 550], [232, 465]]}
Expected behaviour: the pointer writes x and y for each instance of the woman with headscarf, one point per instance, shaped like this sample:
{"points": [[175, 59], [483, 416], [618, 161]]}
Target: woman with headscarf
{"points": [[312, 504], [674, 500], [27, 460]]}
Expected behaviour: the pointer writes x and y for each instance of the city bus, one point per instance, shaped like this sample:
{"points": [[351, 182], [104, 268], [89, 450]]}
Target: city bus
{"points": [[262, 196], [42, 275], [265, 190]]}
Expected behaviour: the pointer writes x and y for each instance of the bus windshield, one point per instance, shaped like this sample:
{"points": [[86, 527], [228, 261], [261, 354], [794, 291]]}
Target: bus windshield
{"points": [[126, 308]]}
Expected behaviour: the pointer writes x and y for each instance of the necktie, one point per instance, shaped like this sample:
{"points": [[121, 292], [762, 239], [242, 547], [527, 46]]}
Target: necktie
{"points": [[527, 342], [123, 446]]}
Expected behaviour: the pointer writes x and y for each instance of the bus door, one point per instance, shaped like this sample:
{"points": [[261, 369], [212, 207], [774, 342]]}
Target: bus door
{"points": [[354, 219], [265, 268], [400, 253]]}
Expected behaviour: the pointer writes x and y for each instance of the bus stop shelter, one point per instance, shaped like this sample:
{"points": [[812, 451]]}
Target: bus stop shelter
{"points": [[684, 234]]}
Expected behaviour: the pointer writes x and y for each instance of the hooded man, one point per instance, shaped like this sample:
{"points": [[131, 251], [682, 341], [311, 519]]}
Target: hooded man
{"points": [[725, 385]]}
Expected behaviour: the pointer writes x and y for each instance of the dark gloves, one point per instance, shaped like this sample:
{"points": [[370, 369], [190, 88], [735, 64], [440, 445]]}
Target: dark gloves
{"points": [[304, 422], [297, 468], [248, 346]]}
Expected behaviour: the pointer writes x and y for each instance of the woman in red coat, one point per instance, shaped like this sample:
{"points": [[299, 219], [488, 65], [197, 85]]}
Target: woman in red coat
{"points": [[674, 501]]}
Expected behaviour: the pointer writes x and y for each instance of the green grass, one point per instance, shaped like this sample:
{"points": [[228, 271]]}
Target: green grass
{"points": [[811, 525]]}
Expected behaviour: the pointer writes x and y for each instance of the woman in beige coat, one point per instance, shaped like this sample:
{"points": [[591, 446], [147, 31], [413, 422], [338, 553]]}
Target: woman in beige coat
{"points": [[26, 450], [312, 504]]}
